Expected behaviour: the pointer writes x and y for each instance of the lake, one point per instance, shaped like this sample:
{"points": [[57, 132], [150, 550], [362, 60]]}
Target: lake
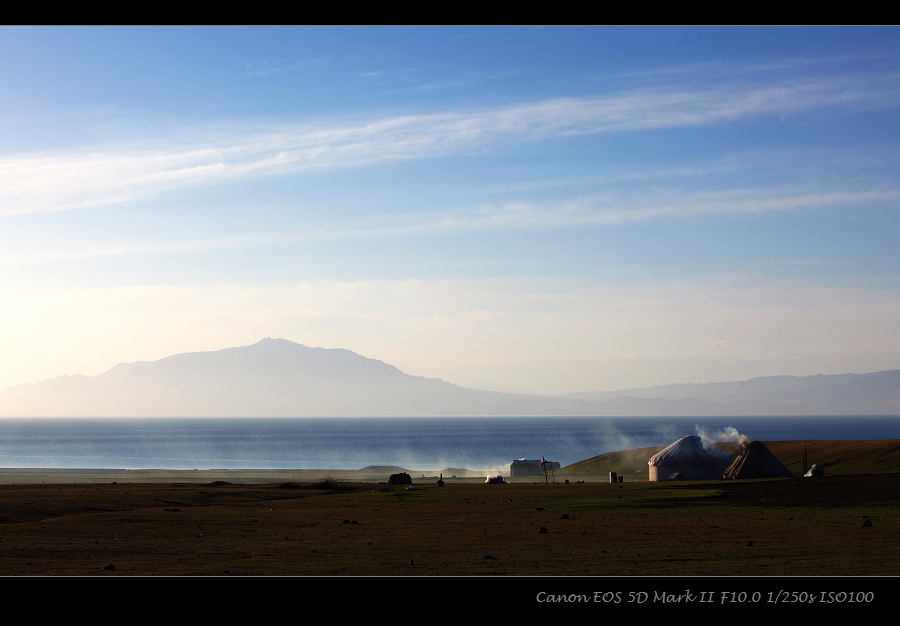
{"points": [[353, 443]]}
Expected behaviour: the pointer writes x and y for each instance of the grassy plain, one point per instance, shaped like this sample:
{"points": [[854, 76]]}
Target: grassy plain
{"points": [[843, 524]]}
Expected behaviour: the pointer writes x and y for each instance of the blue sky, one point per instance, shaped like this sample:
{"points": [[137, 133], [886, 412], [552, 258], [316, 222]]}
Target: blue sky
{"points": [[539, 209]]}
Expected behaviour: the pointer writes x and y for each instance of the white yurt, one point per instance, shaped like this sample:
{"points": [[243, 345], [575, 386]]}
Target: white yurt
{"points": [[690, 458]]}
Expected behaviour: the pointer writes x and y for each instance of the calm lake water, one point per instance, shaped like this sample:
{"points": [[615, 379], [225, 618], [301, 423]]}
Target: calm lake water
{"points": [[353, 443]]}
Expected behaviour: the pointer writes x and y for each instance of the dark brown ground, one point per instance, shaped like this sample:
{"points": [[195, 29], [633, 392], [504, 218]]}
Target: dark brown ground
{"points": [[836, 525]]}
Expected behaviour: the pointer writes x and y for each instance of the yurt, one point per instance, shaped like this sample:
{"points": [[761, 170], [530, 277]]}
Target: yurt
{"points": [[690, 458], [815, 470], [757, 462]]}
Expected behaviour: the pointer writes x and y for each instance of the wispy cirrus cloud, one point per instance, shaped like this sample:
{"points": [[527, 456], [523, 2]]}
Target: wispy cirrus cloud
{"points": [[46, 182], [10, 258], [614, 209], [609, 209]]}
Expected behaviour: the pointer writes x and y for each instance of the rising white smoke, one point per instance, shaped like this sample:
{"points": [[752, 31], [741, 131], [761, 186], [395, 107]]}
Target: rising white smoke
{"points": [[729, 433]]}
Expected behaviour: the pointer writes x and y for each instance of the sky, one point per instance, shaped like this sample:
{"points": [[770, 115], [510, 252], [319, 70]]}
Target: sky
{"points": [[545, 210]]}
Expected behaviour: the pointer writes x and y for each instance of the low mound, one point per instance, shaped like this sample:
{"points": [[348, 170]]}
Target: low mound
{"points": [[842, 457], [383, 469]]}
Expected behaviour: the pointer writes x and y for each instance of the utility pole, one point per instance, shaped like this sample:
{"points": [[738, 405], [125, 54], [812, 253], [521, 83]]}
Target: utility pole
{"points": [[544, 463]]}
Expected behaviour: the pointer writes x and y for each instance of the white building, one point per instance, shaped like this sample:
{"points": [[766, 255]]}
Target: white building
{"points": [[528, 467]]}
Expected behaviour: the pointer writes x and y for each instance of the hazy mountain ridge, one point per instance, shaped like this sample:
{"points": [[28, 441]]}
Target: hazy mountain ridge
{"points": [[271, 378], [280, 378], [821, 394]]}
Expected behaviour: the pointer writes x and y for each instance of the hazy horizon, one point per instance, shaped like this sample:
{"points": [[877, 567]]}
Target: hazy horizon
{"points": [[478, 385], [281, 378], [548, 210]]}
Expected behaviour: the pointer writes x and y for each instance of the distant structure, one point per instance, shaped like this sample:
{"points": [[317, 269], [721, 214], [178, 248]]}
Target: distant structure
{"points": [[528, 467], [400, 479], [690, 458], [815, 470]]}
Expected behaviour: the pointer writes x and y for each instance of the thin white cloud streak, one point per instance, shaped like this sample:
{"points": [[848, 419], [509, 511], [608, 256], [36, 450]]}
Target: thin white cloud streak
{"points": [[11, 259], [607, 210], [793, 64], [582, 181], [614, 210], [611, 209], [57, 182]]}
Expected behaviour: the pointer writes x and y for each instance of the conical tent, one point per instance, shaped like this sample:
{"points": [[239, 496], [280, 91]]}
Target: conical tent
{"points": [[689, 457], [757, 462]]}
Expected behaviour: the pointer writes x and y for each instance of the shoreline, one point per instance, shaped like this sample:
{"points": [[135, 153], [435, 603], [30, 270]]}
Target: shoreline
{"points": [[839, 457], [31, 476]]}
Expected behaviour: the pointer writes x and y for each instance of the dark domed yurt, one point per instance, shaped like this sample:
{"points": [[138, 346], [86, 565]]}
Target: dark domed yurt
{"points": [[690, 458]]}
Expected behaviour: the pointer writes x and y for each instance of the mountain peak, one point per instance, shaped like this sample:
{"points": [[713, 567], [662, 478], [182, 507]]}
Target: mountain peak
{"points": [[281, 378], [271, 378]]}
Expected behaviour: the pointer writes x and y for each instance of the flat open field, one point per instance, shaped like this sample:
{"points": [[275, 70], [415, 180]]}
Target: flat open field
{"points": [[836, 525]]}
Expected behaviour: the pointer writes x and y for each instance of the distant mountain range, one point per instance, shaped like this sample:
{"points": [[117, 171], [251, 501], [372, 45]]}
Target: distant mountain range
{"points": [[877, 393], [279, 378]]}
